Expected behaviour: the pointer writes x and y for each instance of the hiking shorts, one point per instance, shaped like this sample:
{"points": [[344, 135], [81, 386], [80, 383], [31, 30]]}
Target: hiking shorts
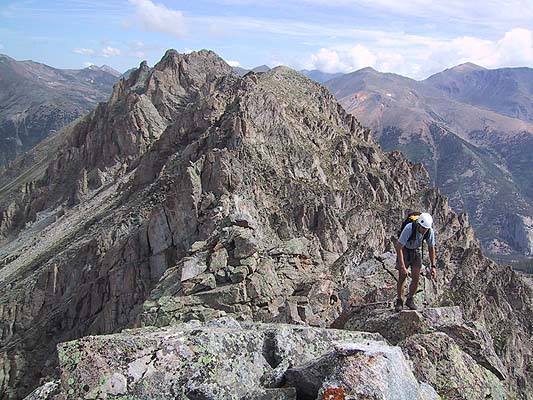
{"points": [[411, 257]]}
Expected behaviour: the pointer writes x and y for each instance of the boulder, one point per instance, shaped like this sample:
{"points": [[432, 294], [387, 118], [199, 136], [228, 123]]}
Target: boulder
{"points": [[467, 342], [225, 359], [360, 370], [439, 361]]}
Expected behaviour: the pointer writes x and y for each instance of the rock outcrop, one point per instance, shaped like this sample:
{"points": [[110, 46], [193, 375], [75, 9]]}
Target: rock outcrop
{"points": [[521, 233], [195, 194], [225, 359], [456, 356]]}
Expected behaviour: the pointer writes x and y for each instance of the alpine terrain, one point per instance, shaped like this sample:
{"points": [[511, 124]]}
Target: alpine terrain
{"points": [[37, 100], [201, 234], [472, 128]]}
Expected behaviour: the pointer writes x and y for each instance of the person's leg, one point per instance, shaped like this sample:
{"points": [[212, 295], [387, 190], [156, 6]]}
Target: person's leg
{"points": [[415, 276], [398, 306], [401, 275], [401, 280]]}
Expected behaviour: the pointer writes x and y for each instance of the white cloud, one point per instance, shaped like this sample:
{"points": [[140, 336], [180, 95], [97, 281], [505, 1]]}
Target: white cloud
{"points": [[109, 51], [496, 13], [137, 44], [482, 13], [84, 51], [157, 17], [342, 59], [233, 63], [513, 49], [418, 57]]}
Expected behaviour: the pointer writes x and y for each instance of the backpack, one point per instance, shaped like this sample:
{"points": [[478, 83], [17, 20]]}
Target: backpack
{"points": [[411, 219]]}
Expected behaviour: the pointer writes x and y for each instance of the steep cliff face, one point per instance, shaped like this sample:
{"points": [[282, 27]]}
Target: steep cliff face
{"points": [[195, 193]]}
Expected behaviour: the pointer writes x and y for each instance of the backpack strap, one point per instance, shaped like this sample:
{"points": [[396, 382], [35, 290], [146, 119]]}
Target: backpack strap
{"points": [[413, 231]]}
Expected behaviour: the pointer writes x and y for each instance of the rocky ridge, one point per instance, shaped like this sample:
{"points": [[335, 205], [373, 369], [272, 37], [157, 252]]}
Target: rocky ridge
{"points": [[471, 128], [195, 194]]}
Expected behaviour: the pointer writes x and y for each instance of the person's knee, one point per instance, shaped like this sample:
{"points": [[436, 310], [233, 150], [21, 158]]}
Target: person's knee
{"points": [[415, 274]]}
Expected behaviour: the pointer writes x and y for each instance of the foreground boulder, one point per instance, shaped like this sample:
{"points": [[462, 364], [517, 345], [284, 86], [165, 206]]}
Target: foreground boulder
{"points": [[456, 356], [225, 359]]}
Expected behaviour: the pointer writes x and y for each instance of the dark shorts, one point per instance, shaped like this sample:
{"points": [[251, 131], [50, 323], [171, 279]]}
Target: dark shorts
{"points": [[411, 257]]}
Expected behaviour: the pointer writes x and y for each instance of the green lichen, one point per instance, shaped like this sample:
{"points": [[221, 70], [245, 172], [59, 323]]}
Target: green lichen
{"points": [[69, 355], [206, 359]]}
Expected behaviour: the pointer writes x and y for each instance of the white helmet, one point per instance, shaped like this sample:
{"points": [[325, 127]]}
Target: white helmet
{"points": [[425, 220]]}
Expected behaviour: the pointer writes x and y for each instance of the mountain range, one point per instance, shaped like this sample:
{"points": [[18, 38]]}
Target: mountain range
{"points": [[470, 126], [472, 129], [231, 221], [37, 100], [316, 75]]}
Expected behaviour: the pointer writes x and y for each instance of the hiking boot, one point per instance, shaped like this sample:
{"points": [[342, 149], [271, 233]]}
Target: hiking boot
{"points": [[398, 306], [410, 303]]}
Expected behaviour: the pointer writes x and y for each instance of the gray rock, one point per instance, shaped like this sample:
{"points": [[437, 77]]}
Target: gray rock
{"points": [[203, 281], [237, 274], [360, 370], [44, 392], [192, 267], [219, 260], [520, 229], [440, 362], [245, 245], [220, 359]]}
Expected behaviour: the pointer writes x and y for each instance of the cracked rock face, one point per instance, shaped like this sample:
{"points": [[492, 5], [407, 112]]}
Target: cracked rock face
{"points": [[225, 359], [194, 194], [456, 356]]}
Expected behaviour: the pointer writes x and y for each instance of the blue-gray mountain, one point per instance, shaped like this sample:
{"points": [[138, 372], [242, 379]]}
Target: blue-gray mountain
{"points": [[473, 130], [37, 100]]}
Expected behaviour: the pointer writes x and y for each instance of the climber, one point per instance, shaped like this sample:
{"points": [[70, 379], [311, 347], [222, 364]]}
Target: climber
{"points": [[415, 230]]}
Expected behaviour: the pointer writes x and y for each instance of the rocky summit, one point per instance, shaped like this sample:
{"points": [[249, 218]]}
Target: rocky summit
{"points": [[201, 234]]}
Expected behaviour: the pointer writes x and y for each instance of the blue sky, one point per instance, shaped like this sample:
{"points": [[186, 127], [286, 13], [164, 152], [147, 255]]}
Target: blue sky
{"points": [[412, 37]]}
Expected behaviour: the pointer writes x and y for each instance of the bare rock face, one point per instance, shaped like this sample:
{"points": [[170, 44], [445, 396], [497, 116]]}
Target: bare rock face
{"points": [[428, 334], [195, 194], [439, 361], [359, 370], [521, 233], [224, 359]]}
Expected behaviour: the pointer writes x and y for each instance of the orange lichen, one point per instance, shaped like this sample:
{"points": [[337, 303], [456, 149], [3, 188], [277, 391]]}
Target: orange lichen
{"points": [[333, 393]]}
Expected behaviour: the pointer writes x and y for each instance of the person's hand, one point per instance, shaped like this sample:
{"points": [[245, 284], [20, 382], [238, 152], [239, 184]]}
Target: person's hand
{"points": [[404, 270], [433, 272]]}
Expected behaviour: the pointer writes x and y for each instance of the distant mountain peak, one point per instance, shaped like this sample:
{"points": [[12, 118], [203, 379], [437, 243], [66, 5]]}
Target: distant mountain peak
{"points": [[104, 68], [466, 67], [367, 69], [261, 68]]}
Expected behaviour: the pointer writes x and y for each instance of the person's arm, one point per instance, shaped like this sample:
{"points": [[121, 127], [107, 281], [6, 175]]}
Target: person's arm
{"points": [[432, 254], [402, 241], [399, 254]]}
